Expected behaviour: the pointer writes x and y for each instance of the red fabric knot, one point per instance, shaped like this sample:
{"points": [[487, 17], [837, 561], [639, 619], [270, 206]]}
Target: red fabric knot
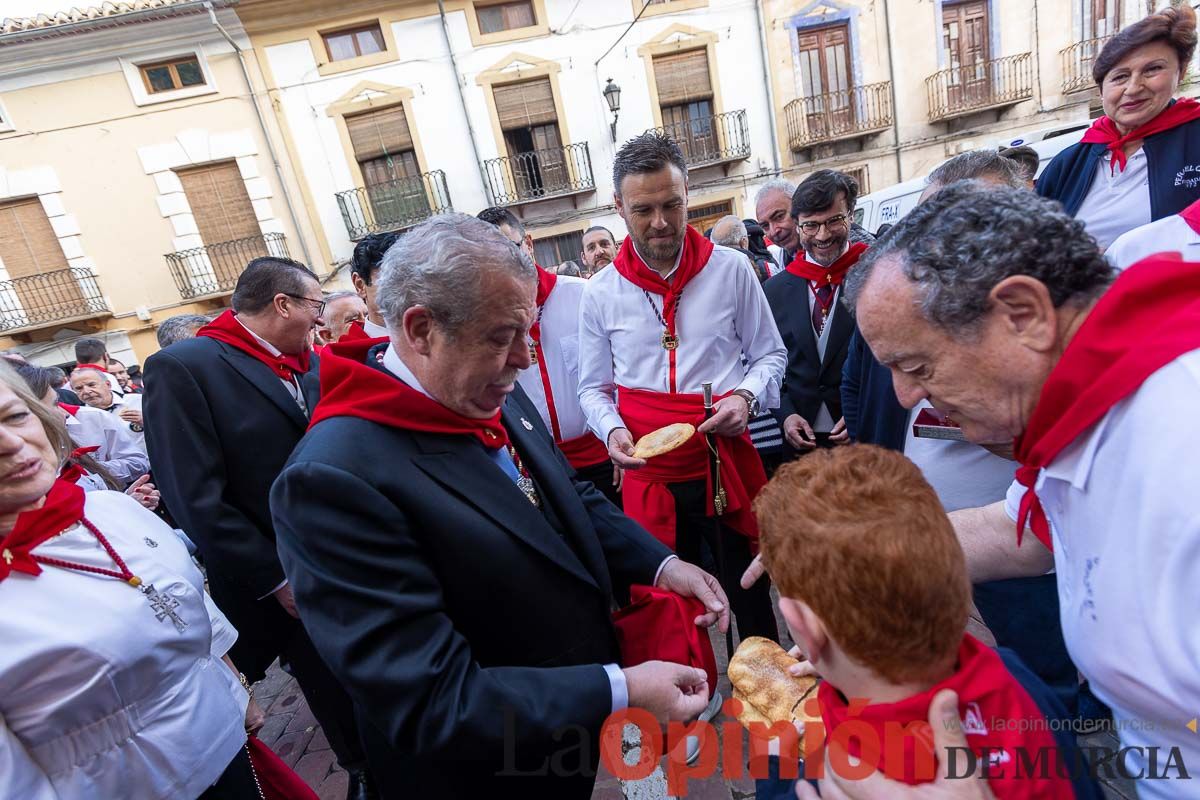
{"points": [[227, 329], [62, 509], [1104, 130]]}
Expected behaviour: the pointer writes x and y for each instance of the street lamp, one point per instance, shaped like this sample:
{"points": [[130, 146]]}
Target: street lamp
{"points": [[612, 96]]}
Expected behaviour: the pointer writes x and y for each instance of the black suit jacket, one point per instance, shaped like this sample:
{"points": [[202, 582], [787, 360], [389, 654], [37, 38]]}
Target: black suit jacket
{"points": [[468, 628], [219, 428], [809, 380]]}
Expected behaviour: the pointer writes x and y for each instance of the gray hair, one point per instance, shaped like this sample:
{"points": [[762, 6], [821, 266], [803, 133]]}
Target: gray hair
{"points": [[975, 164], [729, 231], [332, 296], [646, 153], [956, 246], [438, 265], [179, 327], [774, 185], [569, 268]]}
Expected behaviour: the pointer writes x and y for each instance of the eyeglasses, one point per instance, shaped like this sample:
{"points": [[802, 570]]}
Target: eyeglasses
{"points": [[832, 224], [320, 304]]}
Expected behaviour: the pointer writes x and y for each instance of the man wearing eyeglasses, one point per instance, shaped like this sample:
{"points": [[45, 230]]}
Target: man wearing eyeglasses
{"points": [[231, 404], [816, 328]]}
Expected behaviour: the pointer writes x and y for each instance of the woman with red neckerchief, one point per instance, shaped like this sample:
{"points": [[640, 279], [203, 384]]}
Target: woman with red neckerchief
{"points": [[1139, 162], [113, 675]]}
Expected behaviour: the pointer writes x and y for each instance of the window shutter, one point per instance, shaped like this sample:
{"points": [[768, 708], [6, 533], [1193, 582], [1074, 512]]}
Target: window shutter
{"points": [[217, 195], [379, 133], [28, 245], [524, 105], [682, 77]]}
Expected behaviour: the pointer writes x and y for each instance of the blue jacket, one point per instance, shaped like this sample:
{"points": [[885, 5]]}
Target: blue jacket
{"points": [[1172, 158], [873, 414]]}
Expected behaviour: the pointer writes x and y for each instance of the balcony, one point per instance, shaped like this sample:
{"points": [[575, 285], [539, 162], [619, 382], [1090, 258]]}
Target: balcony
{"points": [[393, 205], [707, 141], [540, 175], [1077, 63], [997, 83], [833, 116], [214, 269], [50, 298]]}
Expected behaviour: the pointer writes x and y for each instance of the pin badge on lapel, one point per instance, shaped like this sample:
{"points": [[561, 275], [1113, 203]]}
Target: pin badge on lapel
{"points": [[528, 425]]}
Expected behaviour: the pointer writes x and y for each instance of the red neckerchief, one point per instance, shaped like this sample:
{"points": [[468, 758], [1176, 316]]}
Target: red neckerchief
{"points": [[834, 274], [356, 331], [96, 367], [350, 388], [62, 509], [70, 409], [72, 471], [1104, 130], [546, 281], [227, 329], [696, 252], [1191, 215], [997, 713], [1147, 319]]}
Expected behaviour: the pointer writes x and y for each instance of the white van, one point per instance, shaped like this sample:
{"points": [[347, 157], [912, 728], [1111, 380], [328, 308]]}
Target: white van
{"points": [[887, 206]]}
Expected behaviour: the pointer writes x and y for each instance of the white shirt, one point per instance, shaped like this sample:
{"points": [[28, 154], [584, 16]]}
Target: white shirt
{"points": [[1118, 202], [291, 384], [1124, 516], [133, 401], [824, 421], [1167, 235], [98, 699], [373, 330], [560, 353], [722, 316], [963, 474], [122, 452]]}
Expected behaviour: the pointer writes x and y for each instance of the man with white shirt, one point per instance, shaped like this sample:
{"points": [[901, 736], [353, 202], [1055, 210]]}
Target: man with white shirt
{"points": [[1178, 233], [364, 268], [673, 313], [224, 411], [92, 387], [552, 379]]}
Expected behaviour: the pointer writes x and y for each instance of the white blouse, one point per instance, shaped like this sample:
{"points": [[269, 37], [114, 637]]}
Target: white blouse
{"points": [[98, 698]]}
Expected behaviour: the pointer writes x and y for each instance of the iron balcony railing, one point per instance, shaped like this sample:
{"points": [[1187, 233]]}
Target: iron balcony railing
{"points": [[215, 268], [33, 301], [1077, 63], [711, 140], [539, 174], [393, 205], [845, 114], [985, 84]]}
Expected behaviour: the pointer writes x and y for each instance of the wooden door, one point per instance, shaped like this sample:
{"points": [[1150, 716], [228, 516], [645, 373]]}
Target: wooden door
{"points": [[395, 190], [965, 42], [1101, 18], [826, 81], [41, 286], [691, 126], [703, 217]]}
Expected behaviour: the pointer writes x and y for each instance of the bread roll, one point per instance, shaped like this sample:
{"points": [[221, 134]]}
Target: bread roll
{"points": [[760, 678]]}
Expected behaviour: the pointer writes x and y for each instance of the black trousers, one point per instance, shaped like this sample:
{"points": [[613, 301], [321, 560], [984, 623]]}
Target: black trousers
{"points": [[693, 529], [601, 476], [236, 782]]}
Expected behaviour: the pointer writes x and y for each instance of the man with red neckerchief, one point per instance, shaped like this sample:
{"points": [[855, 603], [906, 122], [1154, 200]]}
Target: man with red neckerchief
{"points": [[806, 301], [673, 313], [552, 379]]}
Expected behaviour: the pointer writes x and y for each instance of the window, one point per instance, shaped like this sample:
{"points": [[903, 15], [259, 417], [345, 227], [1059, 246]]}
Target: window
{"points": [[383, 147], [499, 17], [825, 79], [704, 217], [554, 250], [168, 76], [965, 45], [860, 176], [685, 98], [529, 121], [28, 248], [1101, 18], [220, 205], [361, 40]]}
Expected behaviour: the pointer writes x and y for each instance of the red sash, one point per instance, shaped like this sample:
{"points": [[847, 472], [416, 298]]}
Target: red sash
{"points": [[696, 252], [1191, 215], [834, 274], [584, 451], [227, 329], [351, 388], [997, 713], [659, 625], [1147, 319], [1104, 130], [62, 509], [646, 496]]}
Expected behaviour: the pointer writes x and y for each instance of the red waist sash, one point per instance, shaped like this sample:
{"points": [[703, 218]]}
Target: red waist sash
{"points": [[584, 451], [646, 496]]}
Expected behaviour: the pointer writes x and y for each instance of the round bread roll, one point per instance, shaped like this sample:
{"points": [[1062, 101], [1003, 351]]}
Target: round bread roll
{"points": [[769, 693], [663, 440]]}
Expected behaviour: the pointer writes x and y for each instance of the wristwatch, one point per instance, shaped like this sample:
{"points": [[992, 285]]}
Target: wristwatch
{"points": [[751, 400]]}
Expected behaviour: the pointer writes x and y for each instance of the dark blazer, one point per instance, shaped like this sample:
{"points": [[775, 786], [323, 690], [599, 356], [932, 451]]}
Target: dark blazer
{"points": [[1173, 166], [219, 427], [808, 380], [873, 414], [469, 626]]}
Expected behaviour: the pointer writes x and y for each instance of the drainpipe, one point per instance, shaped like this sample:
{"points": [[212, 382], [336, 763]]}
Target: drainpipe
{"points": [[262, 124], [887, 28], [766, 71], [462, 99]]}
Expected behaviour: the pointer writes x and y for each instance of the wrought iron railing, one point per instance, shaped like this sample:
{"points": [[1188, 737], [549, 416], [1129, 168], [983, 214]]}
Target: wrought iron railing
{"points": [[215, 268], [395, 204], [1077, 63], [984, 84], [539, 174], [35, 300], [839, 115], [711, 140]]}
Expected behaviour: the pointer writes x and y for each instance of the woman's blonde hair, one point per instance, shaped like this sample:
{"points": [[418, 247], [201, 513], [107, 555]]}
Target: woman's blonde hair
{"points": [[52, 423]]}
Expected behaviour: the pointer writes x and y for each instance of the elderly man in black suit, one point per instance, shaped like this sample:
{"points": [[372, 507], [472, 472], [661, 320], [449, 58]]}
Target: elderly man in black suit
{"points": [[451, 568], [230, 406]]}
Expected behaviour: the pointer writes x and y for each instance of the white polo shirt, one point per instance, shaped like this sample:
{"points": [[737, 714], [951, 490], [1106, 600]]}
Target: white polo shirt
{"points": [[1123, 503], [1167, 235]]}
